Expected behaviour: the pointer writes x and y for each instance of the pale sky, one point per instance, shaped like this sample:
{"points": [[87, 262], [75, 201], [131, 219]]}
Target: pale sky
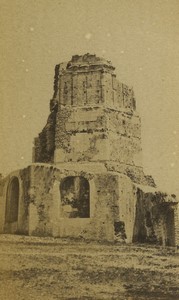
{"points": [[140, 37]]}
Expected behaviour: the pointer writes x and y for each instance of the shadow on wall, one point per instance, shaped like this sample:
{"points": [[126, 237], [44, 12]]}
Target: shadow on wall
{"points": [[12, 205], [154, 222]]}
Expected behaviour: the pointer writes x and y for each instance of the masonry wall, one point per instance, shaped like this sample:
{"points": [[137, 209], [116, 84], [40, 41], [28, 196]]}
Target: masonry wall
{"points": [[80, 89], [46, 210], [90, 83], [156, 217], [80, 135], [44, 144], [88, 179], [119, 209], [97, 134], [94, 86], [127, 204]]}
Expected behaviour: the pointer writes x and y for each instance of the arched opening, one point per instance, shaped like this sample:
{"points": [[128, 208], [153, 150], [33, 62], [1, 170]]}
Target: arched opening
{"points": [[12, 201], [75, 197]]}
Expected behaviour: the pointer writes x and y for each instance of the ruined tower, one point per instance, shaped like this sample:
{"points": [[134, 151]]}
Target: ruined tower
{"points": [[93, 121], [87, 179]]}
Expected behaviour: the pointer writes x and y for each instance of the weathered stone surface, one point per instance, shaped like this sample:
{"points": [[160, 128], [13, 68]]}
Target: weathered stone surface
{"points": [[44, 144], [156, 217], [87, 179], [89, 99]]}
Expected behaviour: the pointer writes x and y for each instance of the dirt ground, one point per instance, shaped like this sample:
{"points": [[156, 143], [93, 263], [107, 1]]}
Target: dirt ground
{"points": [[48, 268]]}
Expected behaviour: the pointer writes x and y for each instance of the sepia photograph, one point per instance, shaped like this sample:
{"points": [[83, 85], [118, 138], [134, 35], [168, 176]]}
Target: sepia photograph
{"points": [[89, 150]]}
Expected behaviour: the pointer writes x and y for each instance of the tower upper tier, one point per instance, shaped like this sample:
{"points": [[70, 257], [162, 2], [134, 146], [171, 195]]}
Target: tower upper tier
{"points": [[88, 80]]}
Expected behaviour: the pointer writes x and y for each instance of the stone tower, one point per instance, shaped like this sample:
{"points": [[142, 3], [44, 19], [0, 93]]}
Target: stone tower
{"points": [[87, 179], [93, 121]]}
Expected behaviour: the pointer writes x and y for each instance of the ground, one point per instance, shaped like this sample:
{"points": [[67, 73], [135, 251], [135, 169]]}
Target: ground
{"points": [[49, 269]]}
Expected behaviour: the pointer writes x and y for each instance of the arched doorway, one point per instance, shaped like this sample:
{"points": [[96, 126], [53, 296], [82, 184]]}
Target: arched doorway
{"points": [[12, 201], [75, 197]]}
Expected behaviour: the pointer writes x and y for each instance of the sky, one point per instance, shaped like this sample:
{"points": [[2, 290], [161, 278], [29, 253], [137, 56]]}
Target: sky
{"points": [[140, 38]]}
